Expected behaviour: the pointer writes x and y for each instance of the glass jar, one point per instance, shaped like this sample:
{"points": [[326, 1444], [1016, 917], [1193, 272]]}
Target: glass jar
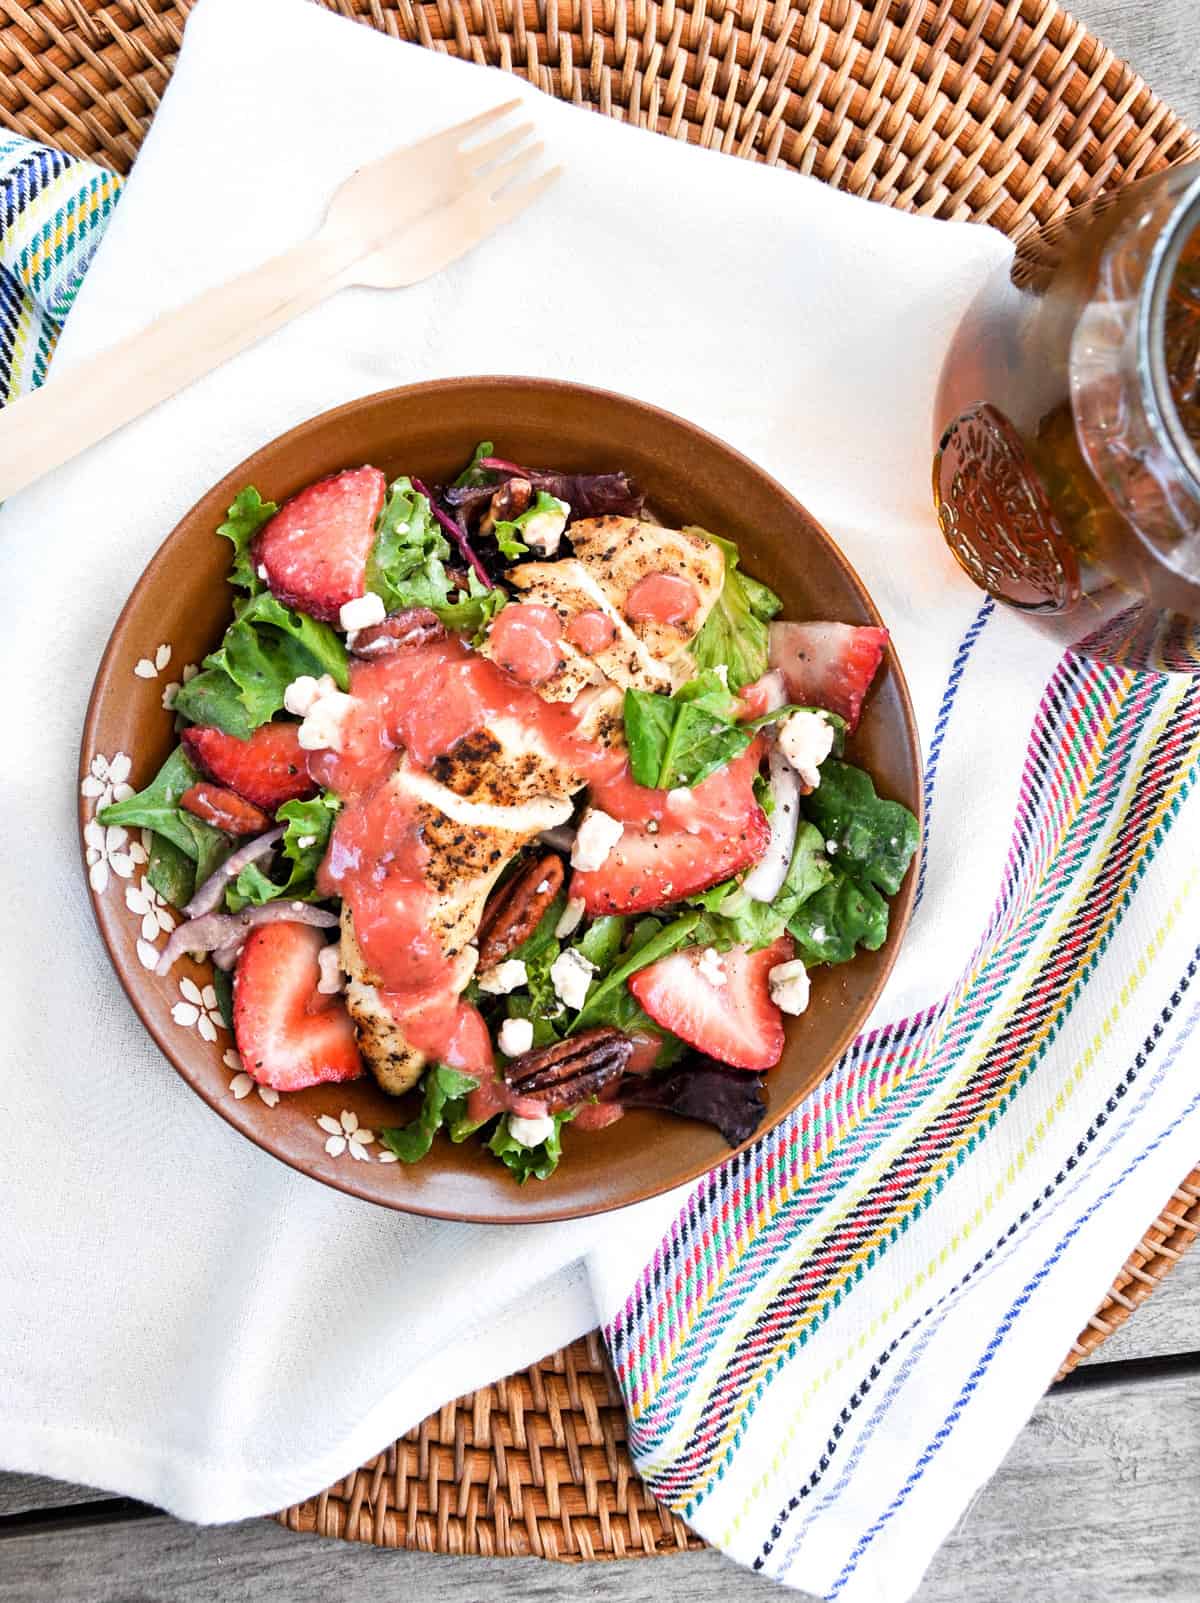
{"points": [[1067, 425]]}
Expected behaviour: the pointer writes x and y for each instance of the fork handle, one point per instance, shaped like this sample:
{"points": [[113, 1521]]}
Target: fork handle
{"points": [[97, 396]]}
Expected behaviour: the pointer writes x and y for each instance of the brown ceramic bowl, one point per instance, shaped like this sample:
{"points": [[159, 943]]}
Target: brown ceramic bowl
{"points": [[182, 601]]}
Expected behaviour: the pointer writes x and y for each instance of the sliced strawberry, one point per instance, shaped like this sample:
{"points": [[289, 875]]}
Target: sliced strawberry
{"points": [[828, 665], [733, 1019], [288, 1034], [315, 548], [675, 843], [268, 769], [225, 809]]}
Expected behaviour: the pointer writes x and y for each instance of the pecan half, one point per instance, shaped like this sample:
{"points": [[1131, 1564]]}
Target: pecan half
{"points": [[515, 910], [510, 500], [570, 1071], [414, 626]]}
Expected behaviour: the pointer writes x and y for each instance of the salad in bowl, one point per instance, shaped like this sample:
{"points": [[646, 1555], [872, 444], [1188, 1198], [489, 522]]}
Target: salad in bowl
{"points": [[528, 806]]}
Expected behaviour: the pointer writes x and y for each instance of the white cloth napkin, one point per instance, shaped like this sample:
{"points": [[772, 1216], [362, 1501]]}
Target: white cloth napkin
{"points": [[185, 1320]]}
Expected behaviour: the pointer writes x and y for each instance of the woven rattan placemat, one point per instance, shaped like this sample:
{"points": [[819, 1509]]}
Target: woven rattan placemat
{"points": [[1003, 111]]}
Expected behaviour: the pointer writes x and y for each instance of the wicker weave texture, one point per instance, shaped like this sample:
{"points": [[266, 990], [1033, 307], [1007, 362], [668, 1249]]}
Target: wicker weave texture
{"points": [[1006, 113], [538, 1464], [1000, 111]]}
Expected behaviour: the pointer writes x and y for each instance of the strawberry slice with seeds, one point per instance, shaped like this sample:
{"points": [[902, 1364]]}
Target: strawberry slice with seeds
{"points": [[268, 769], [315, 548], [289, 1034], [675, 843], [224, 809], [721, 1006], [828, 665]]}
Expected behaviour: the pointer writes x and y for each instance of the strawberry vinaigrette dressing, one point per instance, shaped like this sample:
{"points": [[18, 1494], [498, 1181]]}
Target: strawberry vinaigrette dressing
{"points": [[525, 639], [422, 700], [662, 598], [591, 632]]}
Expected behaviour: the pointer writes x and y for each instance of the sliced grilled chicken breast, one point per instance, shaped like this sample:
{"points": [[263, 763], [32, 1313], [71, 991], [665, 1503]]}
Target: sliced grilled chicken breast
{"points": [[612, 556], [479, 806]]}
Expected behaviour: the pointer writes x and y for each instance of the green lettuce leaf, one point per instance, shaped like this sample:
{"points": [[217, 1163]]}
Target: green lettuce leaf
{"points": [[446, 1093], [222, 984], [610, 1001], [472, 609], [246, 515], [406, 566], [307, 827], [682, 739], [510, 532], [185, 850], [735, 631], [530, 1163], [731, 918], [871, 840], [170, 871], [267, 645], [157, 807], [473, 475], [839, 918]]}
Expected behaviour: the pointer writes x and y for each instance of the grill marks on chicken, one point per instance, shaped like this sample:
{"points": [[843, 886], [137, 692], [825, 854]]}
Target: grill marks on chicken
{"points": [[612, 557]]}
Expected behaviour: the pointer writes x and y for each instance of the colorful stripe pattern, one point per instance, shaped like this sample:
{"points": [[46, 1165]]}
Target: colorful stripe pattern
{"points": [[731, 1297], [53, 212]]}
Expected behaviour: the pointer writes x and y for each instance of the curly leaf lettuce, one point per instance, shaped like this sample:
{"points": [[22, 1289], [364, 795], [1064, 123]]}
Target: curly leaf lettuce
{"points": [[735, 631], [406, 565], [473, 476], [510, 533], [246, 515], [307, 827], [472, 610], [529, 1163], [243, 682], [446, 1091]]}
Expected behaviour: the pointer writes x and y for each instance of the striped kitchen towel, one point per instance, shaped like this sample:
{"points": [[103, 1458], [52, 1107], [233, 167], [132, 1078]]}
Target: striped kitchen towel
{"points": [[53, 211]]}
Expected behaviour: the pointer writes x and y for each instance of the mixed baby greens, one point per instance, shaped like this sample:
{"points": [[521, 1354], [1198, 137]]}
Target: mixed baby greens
{"points": [[851, 848]]}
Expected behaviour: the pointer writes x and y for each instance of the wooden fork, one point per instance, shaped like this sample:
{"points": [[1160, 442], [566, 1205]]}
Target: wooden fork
{"points": [[392, 223]]}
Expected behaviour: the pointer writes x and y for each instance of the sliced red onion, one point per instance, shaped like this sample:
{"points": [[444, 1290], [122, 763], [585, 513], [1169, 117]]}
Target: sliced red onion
{"points": [[774, 687], [226, 932], [765, 880], [208, 896], [457, 533], [498, 464]]}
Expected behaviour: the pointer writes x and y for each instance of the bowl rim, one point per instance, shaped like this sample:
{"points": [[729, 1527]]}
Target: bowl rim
{"points": [[243, 472]]}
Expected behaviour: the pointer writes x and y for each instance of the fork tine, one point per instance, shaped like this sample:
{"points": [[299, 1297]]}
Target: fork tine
{"points": [[462, 131], [516, 198], [480, 156], [491, 183]]}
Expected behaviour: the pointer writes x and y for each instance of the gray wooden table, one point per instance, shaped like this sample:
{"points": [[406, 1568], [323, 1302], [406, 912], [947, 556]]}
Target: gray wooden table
{"points": [[1100, 1494]]}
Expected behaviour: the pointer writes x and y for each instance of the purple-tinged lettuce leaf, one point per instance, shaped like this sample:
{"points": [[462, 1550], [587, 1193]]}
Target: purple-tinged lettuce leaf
{"points": [[731, 1100]]}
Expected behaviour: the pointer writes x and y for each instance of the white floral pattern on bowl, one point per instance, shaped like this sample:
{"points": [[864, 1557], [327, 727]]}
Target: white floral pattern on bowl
{"points": [[144, 902], [110, 850], [241, 1085], [345, 1135], [107, 780], [151, 667], [198, 1010]]}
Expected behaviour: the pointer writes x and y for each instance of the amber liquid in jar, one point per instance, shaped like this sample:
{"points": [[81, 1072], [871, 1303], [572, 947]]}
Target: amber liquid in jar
{"points": [[1062, 478]]}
